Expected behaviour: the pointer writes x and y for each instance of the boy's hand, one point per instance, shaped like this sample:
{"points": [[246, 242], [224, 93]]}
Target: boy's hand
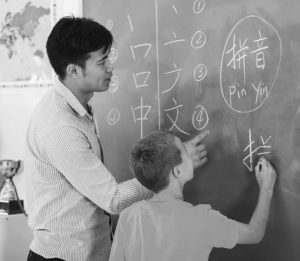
{"points": [[197, 150], [265, 175]]}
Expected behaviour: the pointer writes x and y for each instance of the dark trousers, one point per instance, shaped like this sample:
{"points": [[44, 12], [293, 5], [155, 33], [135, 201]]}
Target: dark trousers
{"points": [[35, 257]]}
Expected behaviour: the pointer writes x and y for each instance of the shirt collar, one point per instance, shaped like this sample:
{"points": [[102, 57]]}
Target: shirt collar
{"points": [[72, 100]]}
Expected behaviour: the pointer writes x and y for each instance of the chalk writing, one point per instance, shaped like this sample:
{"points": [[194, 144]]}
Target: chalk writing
{"points": [[198, 6], [246, 52], [113, 117], [175, 119], [114, 84], [140, 113], [146, 46], [200, 72], [260, 55], [239, 55], [175, 9], [176, 71], [200, 118], [140, 79], [130, 23], [109, 25], [175, 40], [254, 150], [198, 40], [113, 55]]}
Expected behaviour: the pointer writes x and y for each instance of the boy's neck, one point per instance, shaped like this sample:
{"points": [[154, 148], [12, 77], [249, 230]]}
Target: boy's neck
{"points": [[173, 191]]}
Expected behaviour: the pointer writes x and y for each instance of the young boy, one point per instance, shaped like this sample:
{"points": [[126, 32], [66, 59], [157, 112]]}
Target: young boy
{"points": [[167, 228]]}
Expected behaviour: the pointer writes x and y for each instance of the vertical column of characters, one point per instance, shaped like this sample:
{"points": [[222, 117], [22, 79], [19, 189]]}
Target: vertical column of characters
{"points": [[198, 40], [140, 77], [174, 74]]}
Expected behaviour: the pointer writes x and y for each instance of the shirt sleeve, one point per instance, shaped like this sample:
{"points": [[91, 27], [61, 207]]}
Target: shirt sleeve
{"points": [[219, 230], [70, 152], [117, 252]]}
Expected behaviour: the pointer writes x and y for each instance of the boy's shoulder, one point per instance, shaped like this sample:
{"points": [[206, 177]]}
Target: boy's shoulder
{"points": [[139, 206], [132, 208]]}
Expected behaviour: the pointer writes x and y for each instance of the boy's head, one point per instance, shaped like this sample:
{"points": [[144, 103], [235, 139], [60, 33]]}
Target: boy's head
{"points": [[157, 156], [72, 39]]}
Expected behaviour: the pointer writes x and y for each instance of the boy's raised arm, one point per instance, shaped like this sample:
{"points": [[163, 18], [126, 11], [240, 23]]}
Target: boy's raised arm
{"points": [[254, 231]]}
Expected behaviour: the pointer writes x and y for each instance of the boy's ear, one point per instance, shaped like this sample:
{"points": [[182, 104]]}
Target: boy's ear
{"points": [[72, 70], [176, 171]]}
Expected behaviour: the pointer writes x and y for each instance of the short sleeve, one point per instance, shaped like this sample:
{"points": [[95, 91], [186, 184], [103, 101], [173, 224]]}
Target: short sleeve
{"points": [[219, 230]]}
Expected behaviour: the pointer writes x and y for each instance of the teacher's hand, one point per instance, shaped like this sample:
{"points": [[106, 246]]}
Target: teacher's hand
{"points": [[197, 150]]}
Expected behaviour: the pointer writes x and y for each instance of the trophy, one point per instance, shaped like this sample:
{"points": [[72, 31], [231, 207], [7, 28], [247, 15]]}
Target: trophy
{"points": [[9, 200]]}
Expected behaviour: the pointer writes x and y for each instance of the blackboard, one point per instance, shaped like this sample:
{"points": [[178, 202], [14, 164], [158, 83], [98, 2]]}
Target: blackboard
{"points": [[228, 66]]}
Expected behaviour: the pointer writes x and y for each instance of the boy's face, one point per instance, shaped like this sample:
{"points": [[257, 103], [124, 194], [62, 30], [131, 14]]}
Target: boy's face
{"points": [[98, 72], [186, 167]]}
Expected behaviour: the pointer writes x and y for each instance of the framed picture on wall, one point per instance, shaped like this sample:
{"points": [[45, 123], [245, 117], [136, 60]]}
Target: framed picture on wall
{"points": [[24, 28]]}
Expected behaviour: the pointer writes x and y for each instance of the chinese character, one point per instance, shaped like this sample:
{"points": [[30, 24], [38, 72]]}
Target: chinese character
{"points": [[174, 121], [177, 72], [140, 113], [239, 55], [259, 150], [259, 54]]}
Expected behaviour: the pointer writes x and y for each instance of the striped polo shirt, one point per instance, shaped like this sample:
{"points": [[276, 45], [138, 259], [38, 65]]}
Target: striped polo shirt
{"points": [[68, 189]]}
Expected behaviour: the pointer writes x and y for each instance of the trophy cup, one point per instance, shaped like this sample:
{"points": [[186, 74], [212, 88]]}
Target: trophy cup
{"points": [[9, 200]]}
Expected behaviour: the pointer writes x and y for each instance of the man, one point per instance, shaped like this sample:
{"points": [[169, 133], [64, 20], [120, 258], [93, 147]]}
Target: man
{"points": [[70, 193]]}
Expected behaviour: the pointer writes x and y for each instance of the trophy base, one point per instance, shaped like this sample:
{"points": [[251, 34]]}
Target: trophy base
{"points": [[11, 207]]}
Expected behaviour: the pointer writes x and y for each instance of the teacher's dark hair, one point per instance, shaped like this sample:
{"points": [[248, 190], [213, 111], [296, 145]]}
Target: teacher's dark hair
{"points": [[72, 39]]}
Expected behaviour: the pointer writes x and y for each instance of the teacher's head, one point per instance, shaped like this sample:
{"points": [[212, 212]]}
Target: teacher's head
{"points": [[73, 40]]}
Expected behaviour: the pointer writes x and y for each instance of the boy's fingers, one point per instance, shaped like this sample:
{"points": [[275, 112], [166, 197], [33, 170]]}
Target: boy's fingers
{"points": [[198, 138], [202, 154], [257, 167], [200, 162], [201, 148]]}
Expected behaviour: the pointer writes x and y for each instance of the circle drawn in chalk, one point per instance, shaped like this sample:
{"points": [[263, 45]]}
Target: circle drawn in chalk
{"points": [[113, 55], [200, 72], [109, 24], [198, 6], [198, 40], [200, 117], [114, 84], [113, 117], [249, 95]]}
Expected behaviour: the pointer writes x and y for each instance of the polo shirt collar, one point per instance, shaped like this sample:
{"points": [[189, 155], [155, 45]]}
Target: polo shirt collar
{"points": [[71, 99]]}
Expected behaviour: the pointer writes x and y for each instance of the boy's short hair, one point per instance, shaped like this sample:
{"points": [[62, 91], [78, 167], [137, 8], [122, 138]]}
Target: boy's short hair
{"points": [[72, 39], [153, 157]]}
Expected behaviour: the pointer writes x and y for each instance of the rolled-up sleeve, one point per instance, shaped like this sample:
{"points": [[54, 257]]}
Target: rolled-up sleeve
{"points": [[70, 151]]}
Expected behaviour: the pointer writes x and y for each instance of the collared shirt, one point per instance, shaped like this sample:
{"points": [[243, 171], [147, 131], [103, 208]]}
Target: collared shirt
{"points": [[68, 188], [171, 230]]}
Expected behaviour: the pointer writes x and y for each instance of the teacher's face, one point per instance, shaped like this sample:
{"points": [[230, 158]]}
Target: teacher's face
{"points": [[97, 72]]}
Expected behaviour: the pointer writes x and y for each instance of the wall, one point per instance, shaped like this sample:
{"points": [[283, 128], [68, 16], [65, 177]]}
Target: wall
{"points": [[16, 106]]}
